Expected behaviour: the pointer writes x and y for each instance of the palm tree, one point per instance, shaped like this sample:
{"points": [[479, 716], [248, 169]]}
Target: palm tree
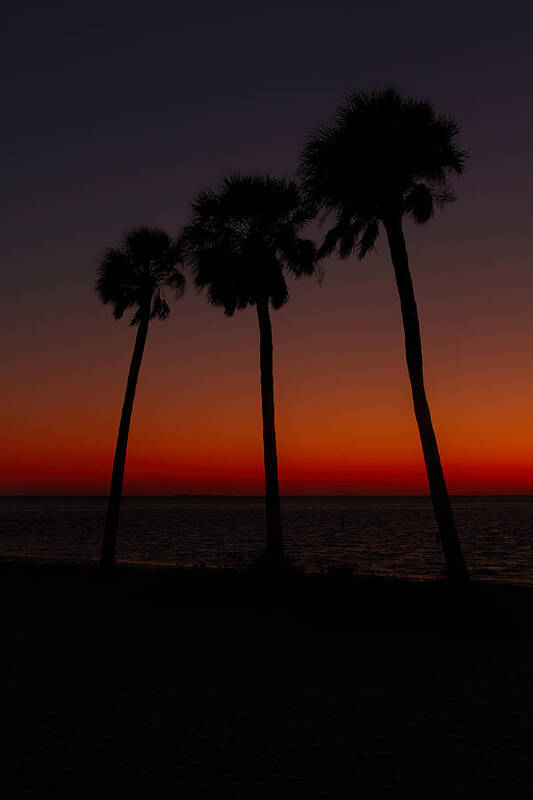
{"points": [[240, 241], [134, 275], [386, 157]]}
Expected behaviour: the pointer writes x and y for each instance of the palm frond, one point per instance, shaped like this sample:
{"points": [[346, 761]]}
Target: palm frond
{"points": [[370, 159], [367, 240], [348, 240], [160, 307], [133, 274], [243, 236], [330, 242], [419, 203]]}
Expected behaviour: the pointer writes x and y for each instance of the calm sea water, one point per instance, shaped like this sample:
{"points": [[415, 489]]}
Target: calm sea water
{"points": [[373, 535]]}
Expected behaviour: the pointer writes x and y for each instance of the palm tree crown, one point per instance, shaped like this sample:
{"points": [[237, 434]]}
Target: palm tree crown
{"points": [[384, 155], [136, 272], [243, 236]]}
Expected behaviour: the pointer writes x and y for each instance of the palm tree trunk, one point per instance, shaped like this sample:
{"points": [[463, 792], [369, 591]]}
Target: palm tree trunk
{"points": [[107, 557], [274, 547], [457, 571]]}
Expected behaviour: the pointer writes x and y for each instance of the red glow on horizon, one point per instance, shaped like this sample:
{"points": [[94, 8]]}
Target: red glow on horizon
{"points": [[148, 477]]}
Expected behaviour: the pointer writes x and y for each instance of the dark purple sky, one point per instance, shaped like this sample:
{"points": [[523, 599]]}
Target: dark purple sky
{"points": [[118, 112]]}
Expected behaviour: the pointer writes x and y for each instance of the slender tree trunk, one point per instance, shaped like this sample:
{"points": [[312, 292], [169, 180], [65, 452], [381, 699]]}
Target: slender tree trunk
{"points": [[457, 571], [274, 547], [107, 557]]}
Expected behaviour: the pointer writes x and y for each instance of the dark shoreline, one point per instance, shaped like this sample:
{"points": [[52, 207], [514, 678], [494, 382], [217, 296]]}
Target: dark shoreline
{"points": [[199, 683], [338, 599]]}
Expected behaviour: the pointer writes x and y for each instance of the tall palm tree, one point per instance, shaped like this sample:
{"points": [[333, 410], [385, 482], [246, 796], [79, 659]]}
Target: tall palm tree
{"points": [[240, 241], [386, 157], [134, 275]]}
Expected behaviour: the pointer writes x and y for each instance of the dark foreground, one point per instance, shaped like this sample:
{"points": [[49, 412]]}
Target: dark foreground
{"points": [[198, 684]]}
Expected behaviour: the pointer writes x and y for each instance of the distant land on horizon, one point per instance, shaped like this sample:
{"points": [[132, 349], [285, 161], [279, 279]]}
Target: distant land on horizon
{"points": [[222, 496]]}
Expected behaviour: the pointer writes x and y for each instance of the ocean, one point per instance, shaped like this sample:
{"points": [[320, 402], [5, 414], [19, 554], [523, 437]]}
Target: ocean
{"points": [[393, 536]]}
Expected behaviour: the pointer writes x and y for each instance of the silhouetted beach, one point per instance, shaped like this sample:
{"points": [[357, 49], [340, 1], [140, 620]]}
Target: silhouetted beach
{"points": [[215, 683]]}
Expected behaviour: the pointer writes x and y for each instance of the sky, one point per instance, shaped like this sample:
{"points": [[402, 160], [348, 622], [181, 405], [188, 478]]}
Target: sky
{"points": [[116, 114]]}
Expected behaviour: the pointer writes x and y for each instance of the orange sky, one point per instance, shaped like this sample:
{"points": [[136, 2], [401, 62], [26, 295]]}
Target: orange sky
{"points": [[344, 415]]}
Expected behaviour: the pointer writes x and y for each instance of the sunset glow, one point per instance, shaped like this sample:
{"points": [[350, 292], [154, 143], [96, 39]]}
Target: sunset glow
{"points": [[98, 148], [345, 421]]}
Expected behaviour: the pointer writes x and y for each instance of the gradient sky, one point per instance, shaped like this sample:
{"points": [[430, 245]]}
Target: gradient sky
{"points": [[117, 114]]}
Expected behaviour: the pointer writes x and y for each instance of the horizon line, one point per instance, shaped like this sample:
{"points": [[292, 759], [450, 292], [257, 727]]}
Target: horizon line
{"points": [[497, 493]]}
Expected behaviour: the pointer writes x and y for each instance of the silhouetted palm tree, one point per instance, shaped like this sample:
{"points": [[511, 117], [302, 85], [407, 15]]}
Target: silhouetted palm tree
{"points": [[383, 158], [134, 275], [240, 241]]}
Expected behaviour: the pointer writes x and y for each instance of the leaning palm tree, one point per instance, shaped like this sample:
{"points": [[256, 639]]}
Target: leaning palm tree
{"points": [[386, 157], [134, 275], [240, 241]]}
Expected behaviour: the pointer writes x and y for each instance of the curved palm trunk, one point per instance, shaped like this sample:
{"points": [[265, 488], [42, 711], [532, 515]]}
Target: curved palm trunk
{"points": [[107, 557], [274, 547], [451, 546]]}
